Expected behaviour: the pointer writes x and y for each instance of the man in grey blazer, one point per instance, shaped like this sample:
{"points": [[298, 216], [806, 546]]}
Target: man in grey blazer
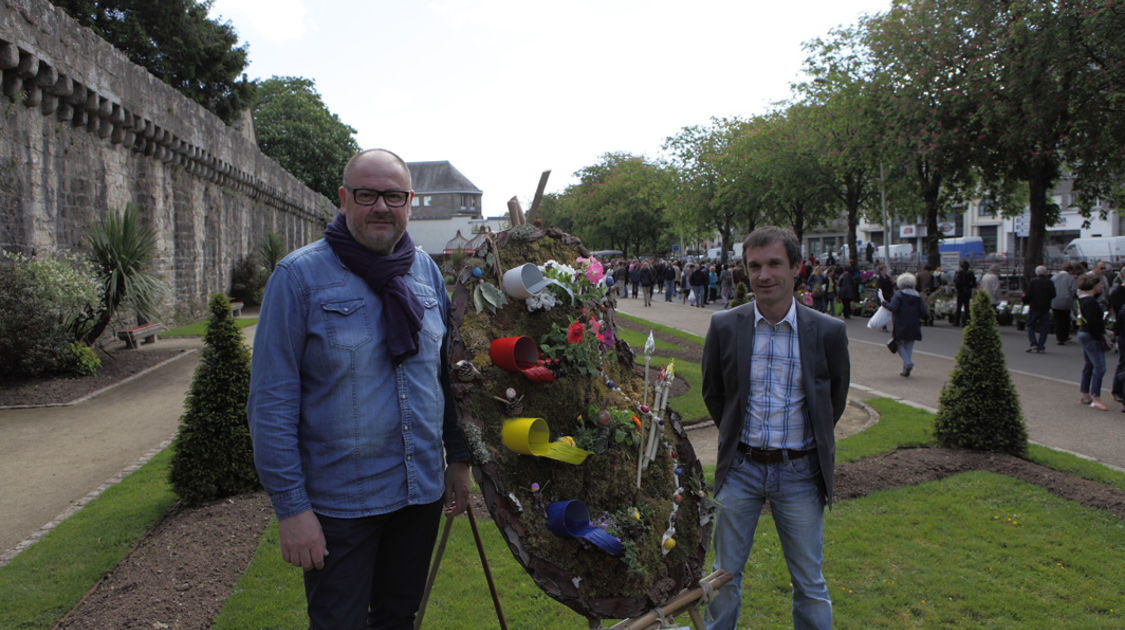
{"points": [[775, 381]]}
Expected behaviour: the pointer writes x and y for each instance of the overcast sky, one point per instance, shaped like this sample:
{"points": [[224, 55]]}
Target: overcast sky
{"points": [[505, 89]]}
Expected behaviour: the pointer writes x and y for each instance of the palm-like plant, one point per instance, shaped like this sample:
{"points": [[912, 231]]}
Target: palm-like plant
{"points": [[122, 251], [272, 250]]}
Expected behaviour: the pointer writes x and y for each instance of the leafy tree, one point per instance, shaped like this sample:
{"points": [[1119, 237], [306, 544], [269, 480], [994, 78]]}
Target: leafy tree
{"points": [[1043, 81], [844, 110], [295, 128], [122, 252], [619, 203], [710, 183], [177, 43], [212, 453], [929, 129], [979, 408], [779, 154]]}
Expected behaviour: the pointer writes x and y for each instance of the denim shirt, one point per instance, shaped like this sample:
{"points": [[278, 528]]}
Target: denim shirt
{"points": [[336, 426]]}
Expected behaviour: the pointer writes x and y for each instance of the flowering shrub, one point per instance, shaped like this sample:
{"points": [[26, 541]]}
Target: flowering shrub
{"points": [[45, 303], [576, 350]]}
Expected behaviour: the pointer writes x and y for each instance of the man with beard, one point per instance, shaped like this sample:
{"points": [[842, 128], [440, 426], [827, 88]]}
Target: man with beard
{"points": [[350, 406]]}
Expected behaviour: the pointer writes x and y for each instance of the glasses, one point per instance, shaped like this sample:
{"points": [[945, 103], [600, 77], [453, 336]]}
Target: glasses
{"points": [[370, 196]]}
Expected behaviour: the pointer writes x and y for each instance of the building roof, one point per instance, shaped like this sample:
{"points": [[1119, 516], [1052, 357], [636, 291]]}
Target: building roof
{"points": [[440, 177]]}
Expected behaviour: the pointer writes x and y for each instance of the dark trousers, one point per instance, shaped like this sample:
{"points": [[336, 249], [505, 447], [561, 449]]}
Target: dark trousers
{"points": [[961, 311], [1062, 323], [375, 571], [1037, 325], [847, 308], [1119, 373]]}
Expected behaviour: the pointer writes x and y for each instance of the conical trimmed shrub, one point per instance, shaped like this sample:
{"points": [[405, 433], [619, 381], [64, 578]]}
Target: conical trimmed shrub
{"points": [[213, 457], [979, 409]]}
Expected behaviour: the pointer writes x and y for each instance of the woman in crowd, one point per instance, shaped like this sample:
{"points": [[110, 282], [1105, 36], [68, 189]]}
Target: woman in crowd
{"points": [[1091, 334], [909, 309]]}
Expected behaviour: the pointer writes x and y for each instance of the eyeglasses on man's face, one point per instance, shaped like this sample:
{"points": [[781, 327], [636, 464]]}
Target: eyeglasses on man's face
{"points": [[370, 196]]}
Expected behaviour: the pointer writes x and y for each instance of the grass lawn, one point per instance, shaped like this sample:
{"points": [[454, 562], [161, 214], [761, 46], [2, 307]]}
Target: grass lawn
{"points": [[689, 404], [199, 328], [975, 550]]}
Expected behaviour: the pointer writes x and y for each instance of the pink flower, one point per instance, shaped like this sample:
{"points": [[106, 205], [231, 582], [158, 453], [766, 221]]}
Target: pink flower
{"points": [[594, 269]]}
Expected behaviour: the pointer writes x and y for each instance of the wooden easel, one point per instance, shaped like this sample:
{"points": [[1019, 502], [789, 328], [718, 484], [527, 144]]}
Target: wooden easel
{"points": [[689, 600]]}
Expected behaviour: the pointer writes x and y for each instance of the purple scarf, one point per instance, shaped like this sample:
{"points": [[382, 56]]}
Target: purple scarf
{"points": [[402, 312]]}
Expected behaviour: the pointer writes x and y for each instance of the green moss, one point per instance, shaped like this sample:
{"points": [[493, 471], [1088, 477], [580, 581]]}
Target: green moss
{"points": [[606, 480]]}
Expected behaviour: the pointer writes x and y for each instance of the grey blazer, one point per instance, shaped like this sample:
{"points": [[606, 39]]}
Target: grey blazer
{"points": [[825, 368]]}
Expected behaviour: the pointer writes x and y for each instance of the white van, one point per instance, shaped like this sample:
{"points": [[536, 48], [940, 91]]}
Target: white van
{"points": [[898, 251], [733, 254], [1108, 248]]}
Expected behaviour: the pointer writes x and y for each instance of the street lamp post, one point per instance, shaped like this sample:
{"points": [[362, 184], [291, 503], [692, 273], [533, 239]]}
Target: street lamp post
{"points": [[886, 222]]}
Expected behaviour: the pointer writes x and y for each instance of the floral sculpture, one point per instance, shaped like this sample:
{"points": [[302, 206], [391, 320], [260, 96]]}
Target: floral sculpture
{"points": [[560, 479]]}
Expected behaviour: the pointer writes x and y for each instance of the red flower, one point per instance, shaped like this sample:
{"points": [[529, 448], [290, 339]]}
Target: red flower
{"points": [[574, 333]]}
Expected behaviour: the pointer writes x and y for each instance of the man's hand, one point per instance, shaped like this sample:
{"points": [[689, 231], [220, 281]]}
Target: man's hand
{"points": [[302, 541], [456, 488]]}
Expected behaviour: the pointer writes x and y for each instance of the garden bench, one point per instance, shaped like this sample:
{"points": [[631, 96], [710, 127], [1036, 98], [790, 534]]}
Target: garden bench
{"points": [[235, 309], [147, 332]]}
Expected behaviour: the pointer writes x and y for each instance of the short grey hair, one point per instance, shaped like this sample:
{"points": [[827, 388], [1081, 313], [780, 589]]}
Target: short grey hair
{"points": [[1041, 270], [906, 281]]}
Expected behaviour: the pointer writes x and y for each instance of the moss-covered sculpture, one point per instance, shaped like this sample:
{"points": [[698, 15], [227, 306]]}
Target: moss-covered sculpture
{"points": [[594, 403]]}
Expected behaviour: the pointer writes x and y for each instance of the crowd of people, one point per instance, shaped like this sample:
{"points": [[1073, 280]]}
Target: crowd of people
{"points": [[1054, 301], [699, 283]]}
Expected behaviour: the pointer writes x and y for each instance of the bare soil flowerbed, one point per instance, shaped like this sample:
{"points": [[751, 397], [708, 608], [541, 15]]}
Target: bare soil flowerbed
{"points": [[116, 367]]}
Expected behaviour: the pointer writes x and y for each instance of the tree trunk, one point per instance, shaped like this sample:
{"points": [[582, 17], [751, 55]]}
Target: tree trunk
{"points": [[1037, 184]]}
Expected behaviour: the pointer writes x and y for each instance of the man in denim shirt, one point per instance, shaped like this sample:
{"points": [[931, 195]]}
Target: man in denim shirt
{"points": [[350, 406]]}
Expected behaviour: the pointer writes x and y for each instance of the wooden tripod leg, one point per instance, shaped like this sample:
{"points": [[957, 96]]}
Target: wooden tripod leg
{"points": [[487, 571], [433, 571]]}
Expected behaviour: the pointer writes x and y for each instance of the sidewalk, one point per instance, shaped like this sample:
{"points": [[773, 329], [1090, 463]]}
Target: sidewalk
{"points": [[52, 458], [1049, 405]]}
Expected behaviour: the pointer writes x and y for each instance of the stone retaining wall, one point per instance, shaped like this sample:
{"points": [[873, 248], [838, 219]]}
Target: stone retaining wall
{"points": [[83, 130]]}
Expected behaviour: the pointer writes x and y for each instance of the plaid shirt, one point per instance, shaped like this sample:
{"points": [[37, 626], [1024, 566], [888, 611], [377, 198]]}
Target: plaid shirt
{"points": [[775, 411]]}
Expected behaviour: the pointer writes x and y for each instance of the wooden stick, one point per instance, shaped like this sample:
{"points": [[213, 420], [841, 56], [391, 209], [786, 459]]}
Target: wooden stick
{"points": [[674, 606], [433, 571], [487, 572]]}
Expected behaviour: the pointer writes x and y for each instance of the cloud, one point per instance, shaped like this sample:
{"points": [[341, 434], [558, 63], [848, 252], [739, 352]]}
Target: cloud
{"points": [[265, 21]]}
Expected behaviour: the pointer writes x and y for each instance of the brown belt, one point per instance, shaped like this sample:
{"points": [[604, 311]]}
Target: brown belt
{"points": [[770, 456]]}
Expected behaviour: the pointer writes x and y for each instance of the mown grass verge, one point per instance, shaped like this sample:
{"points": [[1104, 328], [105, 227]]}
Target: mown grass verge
{"points": [[199, 328]]}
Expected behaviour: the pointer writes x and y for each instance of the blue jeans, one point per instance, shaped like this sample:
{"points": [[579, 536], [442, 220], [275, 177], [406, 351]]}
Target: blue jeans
{"points": [[793, 490], [1094, 368], [1037, 324], [700, 294], [906, 351], [669, 290]]}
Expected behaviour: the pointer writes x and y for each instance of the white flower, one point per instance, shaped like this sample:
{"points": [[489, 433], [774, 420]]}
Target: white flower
{"points": [[545, 301]]}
